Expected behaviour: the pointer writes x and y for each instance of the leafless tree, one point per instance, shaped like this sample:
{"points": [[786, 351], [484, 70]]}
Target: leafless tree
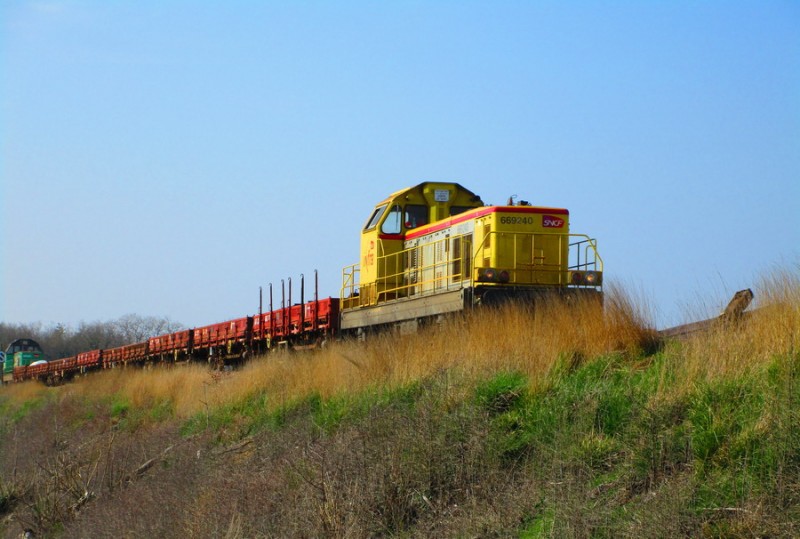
{"points": [[60, 340]]}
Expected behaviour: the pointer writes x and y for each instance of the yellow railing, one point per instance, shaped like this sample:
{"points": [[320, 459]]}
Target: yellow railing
{"points": [[440, 270], [434, 267], [543, 268], [591, 260], [350, 293]]}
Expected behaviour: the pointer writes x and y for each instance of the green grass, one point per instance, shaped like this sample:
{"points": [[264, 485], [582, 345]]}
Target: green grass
{"points": [[604, 443], [698, 438], [14, 410], [616, 430], [625, 424], [257, 412], [349, 408]]}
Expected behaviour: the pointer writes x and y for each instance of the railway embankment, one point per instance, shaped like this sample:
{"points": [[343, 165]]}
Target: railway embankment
{"points": [[558, 422]]}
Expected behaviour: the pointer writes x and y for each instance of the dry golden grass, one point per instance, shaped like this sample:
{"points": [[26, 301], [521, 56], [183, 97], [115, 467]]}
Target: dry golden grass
{"points": [[183, 386], [18, 394], [485, 341], [530, 341], [599, 455], [524, 340], [771, 330]]}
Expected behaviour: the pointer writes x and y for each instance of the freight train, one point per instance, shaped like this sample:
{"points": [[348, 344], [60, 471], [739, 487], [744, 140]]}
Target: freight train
{"points": [[426, 251]]}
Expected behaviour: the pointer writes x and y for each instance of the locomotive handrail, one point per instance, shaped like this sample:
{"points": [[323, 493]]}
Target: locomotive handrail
{"points": [[406, 281], [350, 286], [591, 245], [409, 277], [592, 259], [356, 294]]}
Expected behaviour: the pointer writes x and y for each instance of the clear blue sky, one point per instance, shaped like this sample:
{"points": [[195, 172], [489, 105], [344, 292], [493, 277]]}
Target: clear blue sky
{"points": [[168, 158]]}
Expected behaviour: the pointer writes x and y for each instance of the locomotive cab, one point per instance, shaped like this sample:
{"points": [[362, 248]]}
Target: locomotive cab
{"points": [[381, 275], [21, 353]]}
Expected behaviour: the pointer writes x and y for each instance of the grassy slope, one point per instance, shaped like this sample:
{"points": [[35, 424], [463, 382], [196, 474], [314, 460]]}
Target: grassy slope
{"points": [[559, 423]]}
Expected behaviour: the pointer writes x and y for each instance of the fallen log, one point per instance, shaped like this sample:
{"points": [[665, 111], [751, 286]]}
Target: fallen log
{"points": [[733, 314]]}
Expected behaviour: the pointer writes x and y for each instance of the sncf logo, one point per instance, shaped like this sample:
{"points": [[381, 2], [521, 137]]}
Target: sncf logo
{"points": [[551, 221]]}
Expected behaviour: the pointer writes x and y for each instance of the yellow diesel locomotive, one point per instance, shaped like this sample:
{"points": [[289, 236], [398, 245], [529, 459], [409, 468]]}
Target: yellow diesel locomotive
{"points": [[436, 248]]}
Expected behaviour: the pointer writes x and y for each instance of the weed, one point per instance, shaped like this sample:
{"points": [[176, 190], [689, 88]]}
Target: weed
{"points": [[557, 421], [502, 393]]}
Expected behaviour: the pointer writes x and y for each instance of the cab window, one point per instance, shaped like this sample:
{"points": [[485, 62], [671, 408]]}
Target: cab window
{"points": [[376, 217], [415, 215], [392, 223]]}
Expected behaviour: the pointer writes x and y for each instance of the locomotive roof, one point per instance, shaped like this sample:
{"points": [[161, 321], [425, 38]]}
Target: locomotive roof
{"points": [[22, 344], [458, 186]]}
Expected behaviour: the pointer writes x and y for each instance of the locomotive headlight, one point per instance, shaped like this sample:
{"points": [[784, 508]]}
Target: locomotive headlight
{"points": [[593, 278], [493, 275], [487, 275], [586, 278]]}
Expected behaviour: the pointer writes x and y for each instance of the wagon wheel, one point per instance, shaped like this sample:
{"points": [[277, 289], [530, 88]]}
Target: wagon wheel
{"points": [[217, 360]]}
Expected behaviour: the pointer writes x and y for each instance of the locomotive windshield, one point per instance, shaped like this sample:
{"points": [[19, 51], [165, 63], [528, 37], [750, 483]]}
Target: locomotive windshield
{"points": [[23, 345], [392, 223], [376, 216], [398, 217]]}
